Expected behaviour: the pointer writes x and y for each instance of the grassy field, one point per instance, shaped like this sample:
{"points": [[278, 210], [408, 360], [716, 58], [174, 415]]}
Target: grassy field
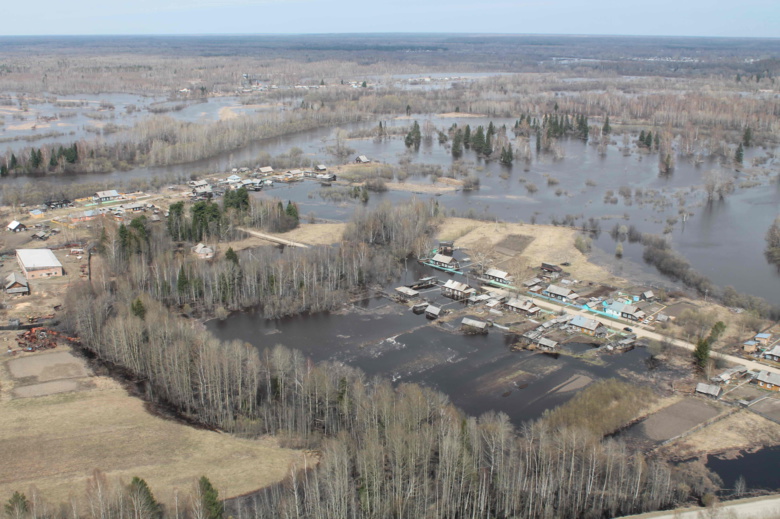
{"points": [[55, 441], [548, 244]]}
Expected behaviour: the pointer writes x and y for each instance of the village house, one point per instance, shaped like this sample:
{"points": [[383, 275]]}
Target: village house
{"points": [[83, 216], [266, 170], [473, 326], [708, 389], [585, 325], [560, 293], [362, 159], [407, 293], [16, 226], [198, 183], [320, 167], [233, 179], [456, 290], [498, 276], [447, 262], [750, 346], [203, 190], [763, 339], [37, 213], [432, 312], [647, 296], [446, 247], [549, 267], [773, 354], [133, 208], [15, 284], [516, 305], [328, 177], [727, 375], [623, 310], [106, 196], [39, 263], [58, 204], [203, 252], [767, 380]]}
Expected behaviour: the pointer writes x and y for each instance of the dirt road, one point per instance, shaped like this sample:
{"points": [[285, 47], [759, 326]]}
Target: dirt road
{"points": [[641, 332], [272, 238], [754, 508]]}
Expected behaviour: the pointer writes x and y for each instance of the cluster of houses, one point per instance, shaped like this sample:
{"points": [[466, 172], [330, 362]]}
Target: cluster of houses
{"points": [[763, 379], [256, 180]]}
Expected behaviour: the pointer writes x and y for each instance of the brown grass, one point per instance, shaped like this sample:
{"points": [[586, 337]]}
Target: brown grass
{"points": [[740, 431], [55, 442], [549, 244]]}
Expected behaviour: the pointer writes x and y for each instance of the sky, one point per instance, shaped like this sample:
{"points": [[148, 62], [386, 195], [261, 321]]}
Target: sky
{"points": [[744, 18]]}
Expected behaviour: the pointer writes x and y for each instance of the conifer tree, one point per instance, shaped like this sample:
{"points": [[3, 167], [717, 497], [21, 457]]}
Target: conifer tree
{"points": [[606, 129], [739, 155]]}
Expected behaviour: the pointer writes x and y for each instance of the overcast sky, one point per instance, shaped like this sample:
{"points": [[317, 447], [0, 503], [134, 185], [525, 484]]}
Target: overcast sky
{"points": [[754, 18]]}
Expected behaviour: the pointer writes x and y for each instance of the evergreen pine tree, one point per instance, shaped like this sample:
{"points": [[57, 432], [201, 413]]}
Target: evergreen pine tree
{"points": [[14, 163], [457, 144], [478, 140], [143, 501], [538, 141], [292, 212], [231, 255], [657, 140], [467, 137], [649, 140], [642, 138], [3, 170], [739, 155], [747, 137], [17, 506], [182, 282], [606, 129], [138, 309], [211, 503]]}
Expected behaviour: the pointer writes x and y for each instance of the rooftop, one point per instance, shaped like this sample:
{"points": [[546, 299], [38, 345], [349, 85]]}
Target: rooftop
{"points": [[37, 258]]}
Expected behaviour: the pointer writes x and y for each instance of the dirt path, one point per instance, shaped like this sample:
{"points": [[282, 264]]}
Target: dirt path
{"points": [[641, 332], [273, 238], [754, 508]]}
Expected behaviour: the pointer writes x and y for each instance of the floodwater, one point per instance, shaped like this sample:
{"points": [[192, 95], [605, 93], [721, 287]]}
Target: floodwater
{"points": [[724, 240], [477, 372], [759, 469]]}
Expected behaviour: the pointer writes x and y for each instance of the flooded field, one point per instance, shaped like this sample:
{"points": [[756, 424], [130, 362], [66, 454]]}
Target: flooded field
{"points": [[477, 372]]}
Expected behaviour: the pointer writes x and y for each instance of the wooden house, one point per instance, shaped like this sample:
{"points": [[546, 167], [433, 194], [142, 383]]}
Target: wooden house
{"points": [[16, 284], [498, 276], [767, 380], [432, 312], [750, 346], [266, 170], [562, 294], [446, 247], [549, 267], [585, 325], [106, 196], [456, 290], [362, 159], [708, 389], [447, 262], [202, 251], [320, 167], [16, 226], [473, 326], [407, 293], [526, 307], [773, 354], [763, 339]]}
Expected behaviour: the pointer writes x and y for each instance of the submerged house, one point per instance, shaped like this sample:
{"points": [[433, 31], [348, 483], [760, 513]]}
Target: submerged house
{"points": [[447, 262], [432, 312], [473, 326], [456, 290]]}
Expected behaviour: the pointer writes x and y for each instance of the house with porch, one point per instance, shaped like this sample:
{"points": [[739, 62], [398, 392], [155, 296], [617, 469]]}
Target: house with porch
{"points": [[456, 290]]}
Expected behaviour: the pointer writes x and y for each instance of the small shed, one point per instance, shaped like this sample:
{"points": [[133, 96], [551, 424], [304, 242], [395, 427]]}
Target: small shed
{"points": [[763, 338], [647, 295], [750, 346], [362, 159], [549, 267], [16, 284], [708, 389], [473, 326], [432, 312], [320, 167], [548, 344], [446, 247]]}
